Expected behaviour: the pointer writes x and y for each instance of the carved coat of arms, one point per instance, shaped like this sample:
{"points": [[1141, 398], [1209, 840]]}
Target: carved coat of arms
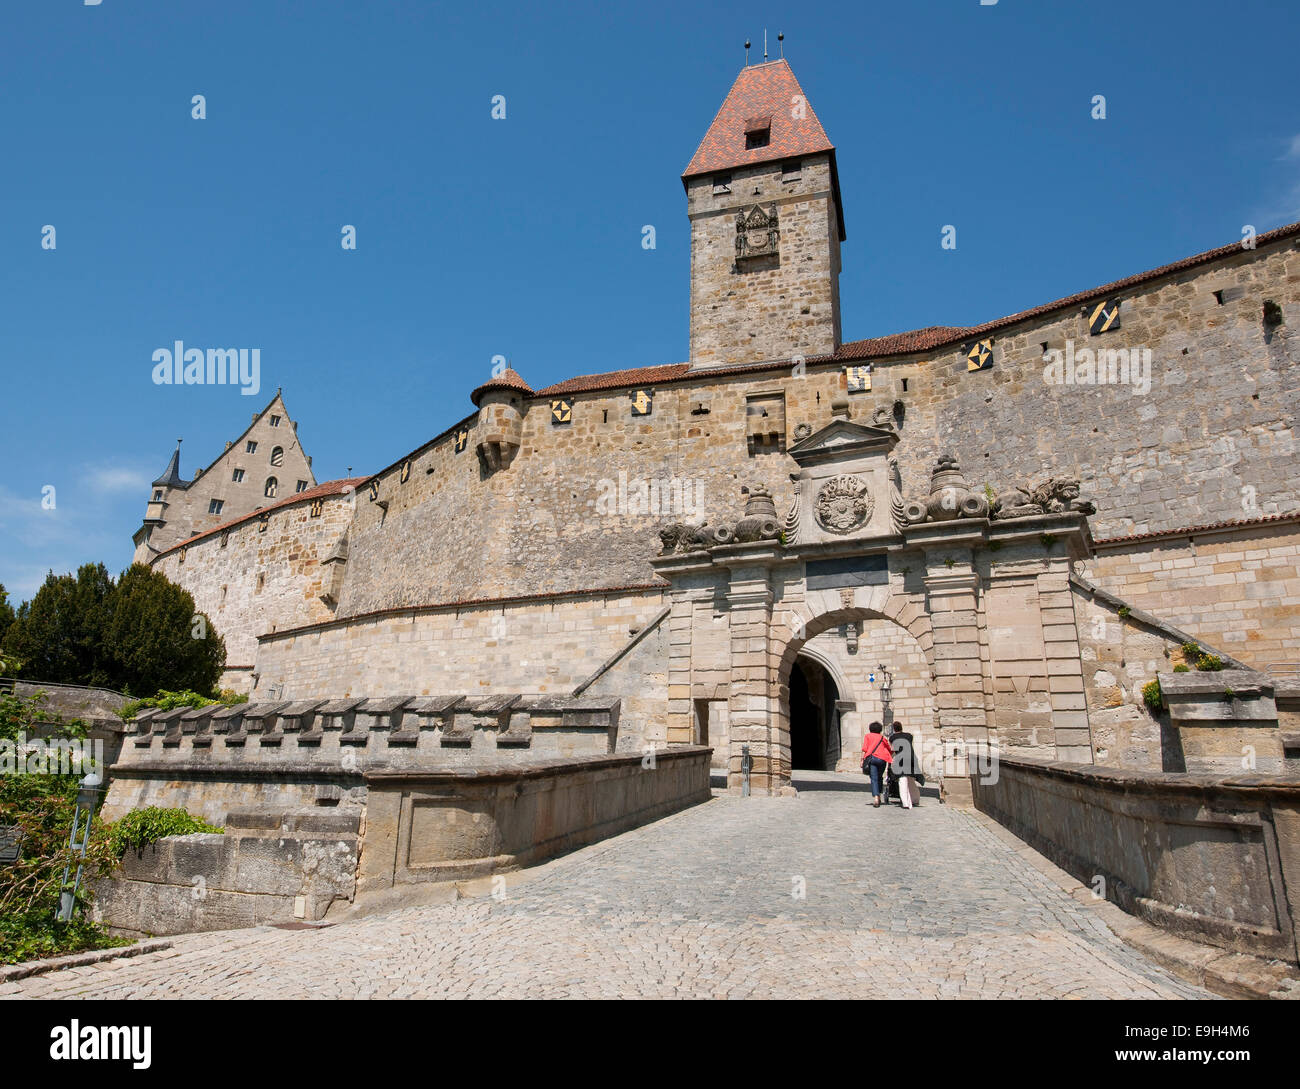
{"points": [[757, 232], [843, 504]]}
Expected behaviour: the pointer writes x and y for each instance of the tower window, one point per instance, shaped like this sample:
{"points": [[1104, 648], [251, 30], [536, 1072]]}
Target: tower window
{"points": [[272, 485], [275, 421], [721, 183], [277, 455], [758, 132], [237, 475], [215, 505], [302, 486], [790, 170], [157, 496], [250, 447]]}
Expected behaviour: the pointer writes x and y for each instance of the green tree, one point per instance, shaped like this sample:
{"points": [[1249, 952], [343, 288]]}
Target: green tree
{"points": [[58, 635], [154, 637], [6, 611]]}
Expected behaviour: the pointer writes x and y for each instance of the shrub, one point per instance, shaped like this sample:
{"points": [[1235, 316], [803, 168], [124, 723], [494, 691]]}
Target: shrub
{"points": [[165, 701], [41, 806], [1152, 696], [138, 829], [1181, 668]]}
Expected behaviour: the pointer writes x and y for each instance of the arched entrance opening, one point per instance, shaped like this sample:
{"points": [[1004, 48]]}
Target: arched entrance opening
{"points": [[846, 647], [814, 716]]}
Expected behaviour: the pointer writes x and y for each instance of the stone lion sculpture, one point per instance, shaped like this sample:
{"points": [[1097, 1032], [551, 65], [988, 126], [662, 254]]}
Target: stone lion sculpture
{"points": [[1057, 495]]}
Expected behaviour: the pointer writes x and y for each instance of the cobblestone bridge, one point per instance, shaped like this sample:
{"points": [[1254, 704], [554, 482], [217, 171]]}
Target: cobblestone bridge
{"points": [[819, 896]]}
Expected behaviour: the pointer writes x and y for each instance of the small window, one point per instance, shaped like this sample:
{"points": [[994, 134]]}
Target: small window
{"points": [[721, 183], [277, 455], [237, 475], [302, 486], [275, 421], [758, 132], [791, 170], [250, 447], [157, 497], [272, 486], [215, 505]]}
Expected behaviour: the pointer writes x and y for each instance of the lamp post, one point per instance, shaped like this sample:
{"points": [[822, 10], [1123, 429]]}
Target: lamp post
{"points": [[82, 812]]}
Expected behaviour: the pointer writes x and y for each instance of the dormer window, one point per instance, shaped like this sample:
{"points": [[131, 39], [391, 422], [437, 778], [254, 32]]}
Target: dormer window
{"points": [[758, 132], [275, 421]]}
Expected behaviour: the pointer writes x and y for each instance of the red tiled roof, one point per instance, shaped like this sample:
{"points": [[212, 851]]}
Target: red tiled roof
{"points": [[507, 379], [761, 91], [330, 487], [636, 376], [1240, 523]]}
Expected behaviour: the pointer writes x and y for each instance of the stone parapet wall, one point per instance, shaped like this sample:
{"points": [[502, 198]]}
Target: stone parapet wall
{"points": [[283, 859], [1212, 858], [266, 868], [316, 752], [430, 826]]}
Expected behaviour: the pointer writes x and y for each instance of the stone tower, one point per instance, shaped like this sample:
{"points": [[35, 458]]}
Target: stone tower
{"points": [[763, 198]]}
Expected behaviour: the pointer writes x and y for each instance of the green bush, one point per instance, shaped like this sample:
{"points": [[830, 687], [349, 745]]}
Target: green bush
{"points": [[138, 829], [1152, 696], [1180, 668], [41, 806], [1206, 663], [164, 701]]}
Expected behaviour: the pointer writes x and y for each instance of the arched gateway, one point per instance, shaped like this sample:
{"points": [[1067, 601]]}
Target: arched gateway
{"points": [[982, 604]]}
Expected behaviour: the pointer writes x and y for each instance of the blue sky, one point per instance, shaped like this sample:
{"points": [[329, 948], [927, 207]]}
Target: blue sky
{"points": [[522, 237]]}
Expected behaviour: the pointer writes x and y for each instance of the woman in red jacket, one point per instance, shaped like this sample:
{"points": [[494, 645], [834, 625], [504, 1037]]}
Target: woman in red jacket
{"points": [[877, 754]]}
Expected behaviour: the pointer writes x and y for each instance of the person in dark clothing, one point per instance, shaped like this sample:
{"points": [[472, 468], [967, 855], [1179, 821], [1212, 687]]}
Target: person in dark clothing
{"points": [[906, 766]]}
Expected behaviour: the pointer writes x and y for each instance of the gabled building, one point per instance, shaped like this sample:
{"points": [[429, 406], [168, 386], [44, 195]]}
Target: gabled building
{"points": [[263, 465]]}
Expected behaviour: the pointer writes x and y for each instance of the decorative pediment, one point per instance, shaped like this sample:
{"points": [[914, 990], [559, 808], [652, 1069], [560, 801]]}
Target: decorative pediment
{"points": [[843, 439]]}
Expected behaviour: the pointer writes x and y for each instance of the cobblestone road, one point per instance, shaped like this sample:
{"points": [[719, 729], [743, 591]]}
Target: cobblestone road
{"points": [[701, 904]]}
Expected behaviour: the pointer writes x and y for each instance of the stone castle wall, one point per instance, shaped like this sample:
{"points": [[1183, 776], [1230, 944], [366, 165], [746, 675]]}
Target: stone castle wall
{"points": [[250, 580], [531, 647], [773, 307], [1186, 453], [1237, 589]]}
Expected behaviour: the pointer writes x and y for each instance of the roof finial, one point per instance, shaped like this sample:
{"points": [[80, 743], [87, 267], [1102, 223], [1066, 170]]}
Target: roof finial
{"points": [[746, 52], [780, 39], [765, 45]]}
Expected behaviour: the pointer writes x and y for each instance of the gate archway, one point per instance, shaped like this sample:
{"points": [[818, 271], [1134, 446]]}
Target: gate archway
{"points": [[906, 649]]}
